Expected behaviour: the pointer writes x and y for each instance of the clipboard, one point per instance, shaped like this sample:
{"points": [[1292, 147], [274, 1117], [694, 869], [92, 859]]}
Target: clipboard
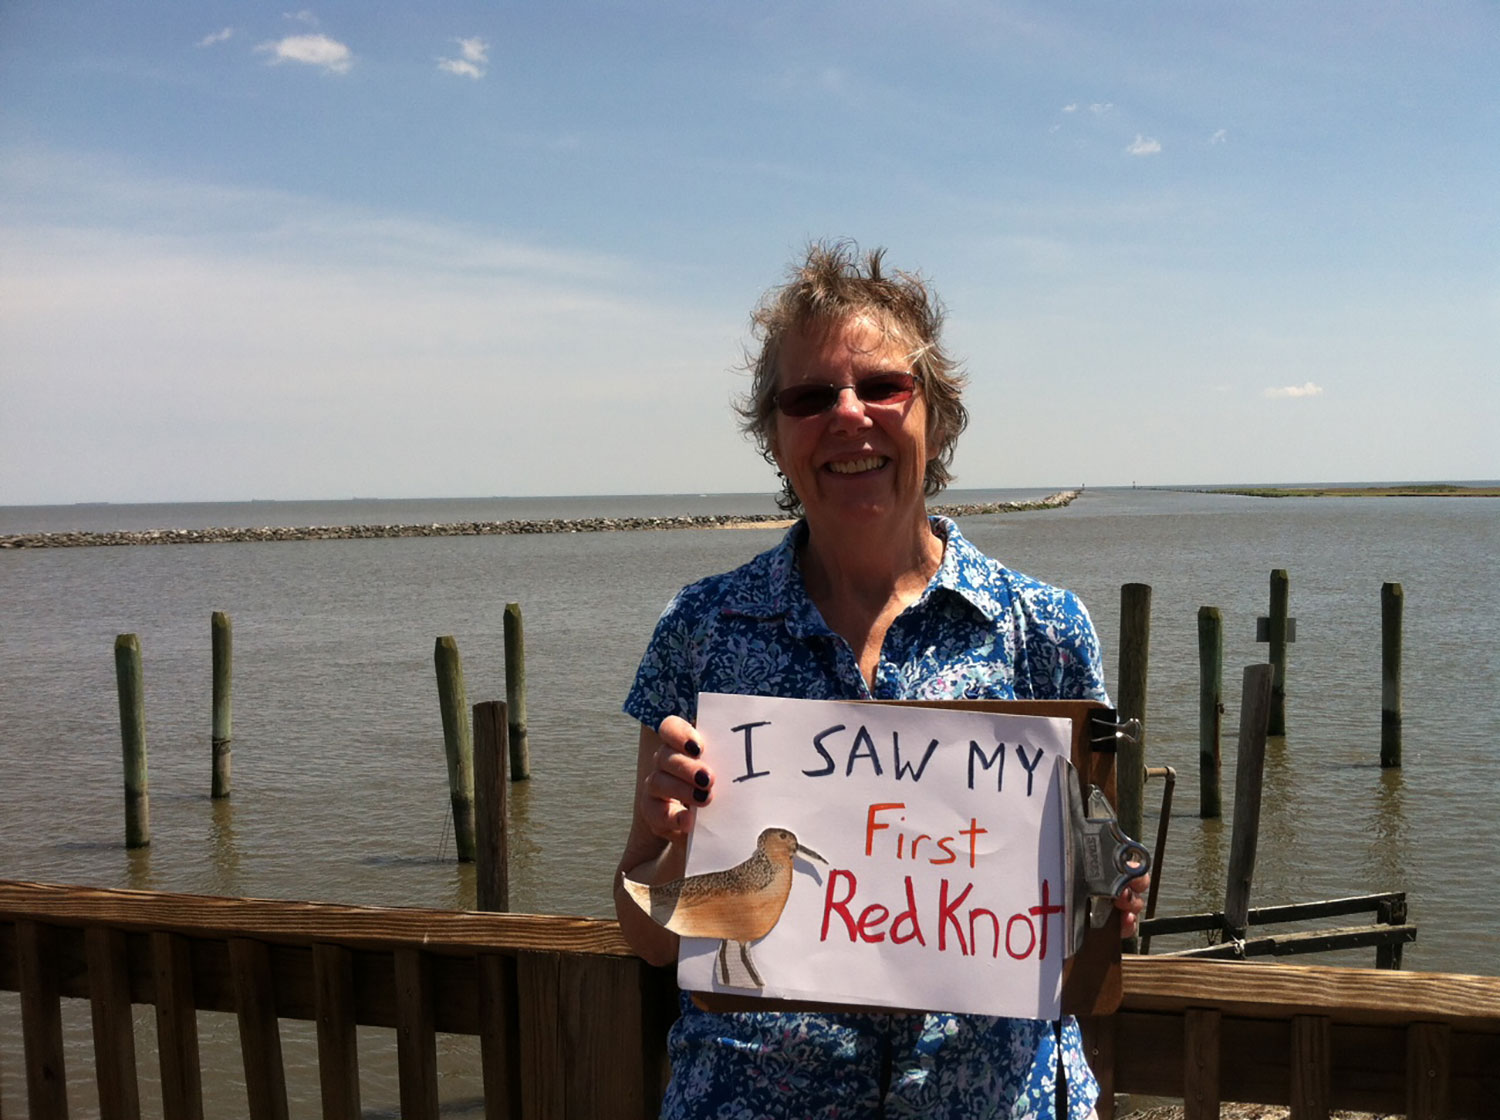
{"points": [[1092, 982]]}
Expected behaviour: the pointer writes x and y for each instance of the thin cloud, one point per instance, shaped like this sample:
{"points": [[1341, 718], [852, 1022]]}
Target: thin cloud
{"points": [[313, 50], [216, 38], [1143, 146], [1071, 107], [474, 60], [304, 16], [1102, 108], [1296, 391], [1219, 137]]}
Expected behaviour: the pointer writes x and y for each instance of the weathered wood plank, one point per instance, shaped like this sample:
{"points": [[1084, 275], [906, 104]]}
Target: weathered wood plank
{"points": [[114, 1028], [260, 1033], [176, 1028], [1311, 1062], [1428, 1068], [416, 1037], [338, 1045], [41, 1023], [1304, 941], [303, 923], [1200, 1063], [1286, 912]]}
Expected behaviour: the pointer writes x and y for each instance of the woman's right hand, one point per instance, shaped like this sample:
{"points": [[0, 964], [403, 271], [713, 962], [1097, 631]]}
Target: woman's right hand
{"points": [[675, 781], [671, 783]]}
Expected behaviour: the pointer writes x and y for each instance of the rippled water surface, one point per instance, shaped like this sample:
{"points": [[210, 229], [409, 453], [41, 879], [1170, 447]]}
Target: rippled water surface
{"points": [[339, 779]]}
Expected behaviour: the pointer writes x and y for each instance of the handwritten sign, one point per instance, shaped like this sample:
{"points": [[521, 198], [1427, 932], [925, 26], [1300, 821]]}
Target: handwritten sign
{"points": [[877, 854]]}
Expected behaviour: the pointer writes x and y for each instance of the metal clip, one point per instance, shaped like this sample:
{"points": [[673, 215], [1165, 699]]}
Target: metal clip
{"points": [[1128, 730], [1102, 858]]}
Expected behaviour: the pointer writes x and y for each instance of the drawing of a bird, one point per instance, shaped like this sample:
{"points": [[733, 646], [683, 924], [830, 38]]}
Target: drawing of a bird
{"points": [[741, 904]]}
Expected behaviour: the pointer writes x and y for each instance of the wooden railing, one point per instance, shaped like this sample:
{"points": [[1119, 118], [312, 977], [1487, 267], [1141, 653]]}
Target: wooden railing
{"points": [[571, 1025]]}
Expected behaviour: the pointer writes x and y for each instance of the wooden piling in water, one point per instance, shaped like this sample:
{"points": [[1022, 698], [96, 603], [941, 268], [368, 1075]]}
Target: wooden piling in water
{"points": [[1255, 707], [222, 633], [1277, 633], [1130, 703], [458, 743], [515, 693], [492, 847], [1210, 710], [1392, 607], [131, 684]]}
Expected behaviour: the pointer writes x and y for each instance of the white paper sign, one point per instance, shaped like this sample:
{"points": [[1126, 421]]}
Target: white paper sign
{"points": [[923, 848]]}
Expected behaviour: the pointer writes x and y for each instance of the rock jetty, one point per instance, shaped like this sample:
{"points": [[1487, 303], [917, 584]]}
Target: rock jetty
{"points": [[91, 539]]}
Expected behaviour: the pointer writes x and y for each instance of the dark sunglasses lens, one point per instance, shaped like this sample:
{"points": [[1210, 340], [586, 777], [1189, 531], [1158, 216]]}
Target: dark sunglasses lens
{"points": [[806, 400], [888, 389]]}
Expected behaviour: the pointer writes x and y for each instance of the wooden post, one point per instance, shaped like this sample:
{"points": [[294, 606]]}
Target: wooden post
{"points": [[515, 692], [1210, 710], [222, 632], [1130, 703], [491, 855], [131, 684], [1277, 632], [458, 742], [1255, 707], [1392, 606]]}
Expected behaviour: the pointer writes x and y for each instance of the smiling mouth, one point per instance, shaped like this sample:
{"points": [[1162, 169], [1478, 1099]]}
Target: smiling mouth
{"points": [[858, 466]]}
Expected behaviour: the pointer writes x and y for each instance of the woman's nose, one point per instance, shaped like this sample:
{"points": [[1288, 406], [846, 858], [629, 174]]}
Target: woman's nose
{"points": [[847, 407]]}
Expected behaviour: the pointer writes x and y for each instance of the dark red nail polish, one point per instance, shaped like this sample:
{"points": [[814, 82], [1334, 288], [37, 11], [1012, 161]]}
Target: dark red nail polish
{"points": [[700, 779], [691, 748], [700, 796]]}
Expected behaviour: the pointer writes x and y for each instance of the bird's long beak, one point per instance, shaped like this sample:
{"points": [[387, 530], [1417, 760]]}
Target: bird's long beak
{"points": [[804, 850]]}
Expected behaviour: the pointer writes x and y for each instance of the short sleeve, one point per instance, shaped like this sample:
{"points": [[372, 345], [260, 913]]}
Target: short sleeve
{"points": [[664, 683]]}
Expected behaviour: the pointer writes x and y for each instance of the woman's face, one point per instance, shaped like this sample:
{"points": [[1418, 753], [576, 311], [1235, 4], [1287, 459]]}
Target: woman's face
{"points": [[856, 459]]}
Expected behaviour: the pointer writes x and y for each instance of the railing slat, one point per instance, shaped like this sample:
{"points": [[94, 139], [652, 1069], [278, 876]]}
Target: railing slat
{"points": [[41, 1023], [1428, 1046], [338, 1046], [1311, 1061], [416, 1037], [260, 1033], [1099, 1048], [176, 1028], [499, 1042], [544, 1071], [114, 1028], [1200, 1063], [606, 1063]]}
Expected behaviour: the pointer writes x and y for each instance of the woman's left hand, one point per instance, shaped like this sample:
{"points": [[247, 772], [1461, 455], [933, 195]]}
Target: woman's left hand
{"points": [[1131, 902]]}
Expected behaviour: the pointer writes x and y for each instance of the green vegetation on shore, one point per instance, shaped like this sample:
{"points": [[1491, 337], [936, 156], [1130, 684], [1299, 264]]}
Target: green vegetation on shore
{"points": [[1406, 490]]}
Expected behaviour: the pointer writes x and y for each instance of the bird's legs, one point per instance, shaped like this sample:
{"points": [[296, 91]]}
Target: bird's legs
{"points": [[723, 966], [745, 956]]}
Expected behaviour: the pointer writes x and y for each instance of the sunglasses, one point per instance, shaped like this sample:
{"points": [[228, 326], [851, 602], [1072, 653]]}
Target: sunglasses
{"points": [[815, 399]]}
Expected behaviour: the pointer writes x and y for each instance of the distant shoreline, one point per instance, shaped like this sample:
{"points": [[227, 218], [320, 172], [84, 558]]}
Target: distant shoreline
{"points": [[115, 538], [1413, 490]]}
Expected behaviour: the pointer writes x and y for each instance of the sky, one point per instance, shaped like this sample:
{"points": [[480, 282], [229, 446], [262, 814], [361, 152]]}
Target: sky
{"points": [[469, 249]]}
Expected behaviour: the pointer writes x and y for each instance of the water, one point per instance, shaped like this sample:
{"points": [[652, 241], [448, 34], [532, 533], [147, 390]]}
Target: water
{"points": [[339, 778]]}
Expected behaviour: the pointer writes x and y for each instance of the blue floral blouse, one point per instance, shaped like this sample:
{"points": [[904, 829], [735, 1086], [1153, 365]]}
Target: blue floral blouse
{"points": [[978, 630]]}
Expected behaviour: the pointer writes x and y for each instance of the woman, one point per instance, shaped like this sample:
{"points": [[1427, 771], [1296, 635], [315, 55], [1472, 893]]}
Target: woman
{"points": [[858, 406]]}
